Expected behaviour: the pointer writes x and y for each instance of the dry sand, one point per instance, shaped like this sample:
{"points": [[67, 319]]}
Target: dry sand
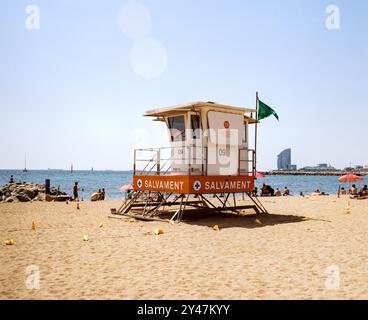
{"points": [[282, 257]]}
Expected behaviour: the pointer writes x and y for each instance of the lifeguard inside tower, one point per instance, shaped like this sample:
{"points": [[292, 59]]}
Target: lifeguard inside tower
{"points": [[209, 161]]}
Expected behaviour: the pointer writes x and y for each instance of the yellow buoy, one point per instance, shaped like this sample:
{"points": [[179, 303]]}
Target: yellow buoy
{"points": [[85, 238], [158, 231], [9, 242], [347, 210], [216, 227]]}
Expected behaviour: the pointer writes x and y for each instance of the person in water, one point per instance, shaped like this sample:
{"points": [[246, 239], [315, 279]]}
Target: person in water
{"points": [[11, 179], [75, 190]]}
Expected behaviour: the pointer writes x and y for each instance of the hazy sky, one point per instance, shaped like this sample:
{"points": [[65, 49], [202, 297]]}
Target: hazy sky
{"points": [[74, 90]]}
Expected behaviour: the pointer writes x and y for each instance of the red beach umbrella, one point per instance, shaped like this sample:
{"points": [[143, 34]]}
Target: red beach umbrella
{"points": [[260, 175], [348, 178], [126, 187]]}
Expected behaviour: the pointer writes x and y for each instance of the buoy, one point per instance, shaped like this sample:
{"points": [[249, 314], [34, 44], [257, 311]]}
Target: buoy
{"points": [[258, 221], [33, 225], [9, 242], [347, 210], [85, 238], [158, 231], [216, 227], [100, 225]]}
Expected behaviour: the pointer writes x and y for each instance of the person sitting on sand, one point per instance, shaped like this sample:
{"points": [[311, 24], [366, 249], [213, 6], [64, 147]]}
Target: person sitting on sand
{"points": [[264, 190], [353, 190], [99, 194], [286, 191], [11, 179], [255, 192], [364, 191], [267, 190], [278, 192], [343, 191]]}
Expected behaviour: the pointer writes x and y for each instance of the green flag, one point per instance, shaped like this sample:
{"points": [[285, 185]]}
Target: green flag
{"points": [[265, 111]]}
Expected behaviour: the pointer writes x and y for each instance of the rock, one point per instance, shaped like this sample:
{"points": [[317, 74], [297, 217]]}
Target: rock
{"points": [[22, 197], [40, 197], [27, 191], [60, 198], [12, 187], [31, 193], [12, 199]]}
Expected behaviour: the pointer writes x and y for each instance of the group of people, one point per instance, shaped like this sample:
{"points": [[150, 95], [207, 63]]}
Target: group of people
{"points": [[99, 195], [267, 190], [363, 192]]}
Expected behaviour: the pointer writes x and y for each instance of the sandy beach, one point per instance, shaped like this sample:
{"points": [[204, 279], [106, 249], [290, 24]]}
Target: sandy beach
{"points": [[280, 256]]}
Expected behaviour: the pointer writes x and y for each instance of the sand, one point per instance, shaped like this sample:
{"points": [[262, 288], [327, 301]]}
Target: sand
{"points": [[281, 256]]}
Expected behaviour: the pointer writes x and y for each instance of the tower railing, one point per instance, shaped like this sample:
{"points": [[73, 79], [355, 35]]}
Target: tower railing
{"points": [[188, 160]]}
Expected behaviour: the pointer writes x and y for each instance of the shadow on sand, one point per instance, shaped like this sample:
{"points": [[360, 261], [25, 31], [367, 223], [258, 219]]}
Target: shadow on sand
{"points": [[249, 221]]}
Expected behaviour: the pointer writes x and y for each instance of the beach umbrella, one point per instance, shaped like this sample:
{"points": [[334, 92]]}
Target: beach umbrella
{"points": [[260, 175], [127, 187], [348, 178]]}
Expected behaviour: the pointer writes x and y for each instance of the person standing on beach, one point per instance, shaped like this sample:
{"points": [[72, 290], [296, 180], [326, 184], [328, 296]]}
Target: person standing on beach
{"points": [[75, 190], [103, 194], [11, 179]]}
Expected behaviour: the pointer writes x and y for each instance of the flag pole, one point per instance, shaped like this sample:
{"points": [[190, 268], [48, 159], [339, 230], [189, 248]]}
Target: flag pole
{"points": [[255, 137]]}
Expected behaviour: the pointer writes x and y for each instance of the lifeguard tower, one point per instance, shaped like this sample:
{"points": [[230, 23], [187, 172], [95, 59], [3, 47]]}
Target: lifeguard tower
{"points": [[208, 161]]}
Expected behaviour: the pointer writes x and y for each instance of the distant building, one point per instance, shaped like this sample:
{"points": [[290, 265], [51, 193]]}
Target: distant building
{"points": [[292, 167], [319, 167], [284, 161]]}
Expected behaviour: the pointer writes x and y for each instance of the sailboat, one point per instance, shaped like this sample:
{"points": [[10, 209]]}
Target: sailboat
{"points": [[25, 164]]}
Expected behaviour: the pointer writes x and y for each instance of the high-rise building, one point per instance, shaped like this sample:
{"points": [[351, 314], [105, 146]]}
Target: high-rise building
{"points": [[284, 161]]}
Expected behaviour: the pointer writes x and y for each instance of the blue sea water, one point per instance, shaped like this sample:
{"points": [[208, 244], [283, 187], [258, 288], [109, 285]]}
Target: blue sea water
{"points": [[91, 181]]}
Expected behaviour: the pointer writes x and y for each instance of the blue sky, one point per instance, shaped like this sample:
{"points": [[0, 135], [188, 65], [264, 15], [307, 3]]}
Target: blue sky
{"points": [[69, 91]]}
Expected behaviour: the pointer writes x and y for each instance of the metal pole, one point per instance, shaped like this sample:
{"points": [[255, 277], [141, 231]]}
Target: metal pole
{"points": [[255, 138]]}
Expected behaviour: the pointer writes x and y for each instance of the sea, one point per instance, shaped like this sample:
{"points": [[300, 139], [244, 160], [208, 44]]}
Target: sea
{"points": [[90, 181]]}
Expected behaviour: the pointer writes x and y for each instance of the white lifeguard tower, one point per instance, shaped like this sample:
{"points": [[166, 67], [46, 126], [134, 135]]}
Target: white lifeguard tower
{"points": [[209, 154]]}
